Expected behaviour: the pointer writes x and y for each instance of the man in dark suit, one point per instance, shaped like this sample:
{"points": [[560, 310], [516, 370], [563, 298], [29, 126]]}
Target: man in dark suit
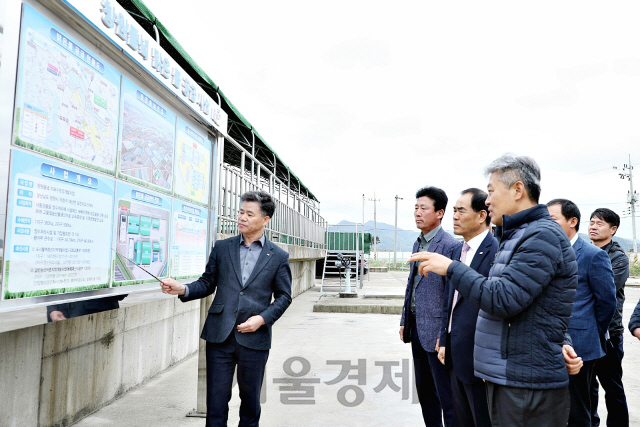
{"points": [[422, 312], [592, 311], [471, 221], [245, 271]]}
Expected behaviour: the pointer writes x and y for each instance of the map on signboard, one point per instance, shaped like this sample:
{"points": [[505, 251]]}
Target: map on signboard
{"points": [[148, 132], [67, 98], [193, 159]]}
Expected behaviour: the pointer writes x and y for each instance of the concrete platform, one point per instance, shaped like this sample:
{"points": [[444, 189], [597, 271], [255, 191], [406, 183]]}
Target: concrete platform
{"points": [[383, 293], [315, 345]]}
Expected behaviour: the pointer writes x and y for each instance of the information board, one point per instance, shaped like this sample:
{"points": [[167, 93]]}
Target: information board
{"points": [[67, 99], [141, 235], [147, 139], [193, 164], [59, 228], [189, 240]]}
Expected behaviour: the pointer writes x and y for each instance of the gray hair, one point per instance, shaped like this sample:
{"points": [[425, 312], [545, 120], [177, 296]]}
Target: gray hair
{"points": [[512, 168]]}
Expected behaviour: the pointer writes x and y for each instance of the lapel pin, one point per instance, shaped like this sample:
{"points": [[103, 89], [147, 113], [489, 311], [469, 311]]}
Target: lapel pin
{"points": [[481, 253], [268, 254]]}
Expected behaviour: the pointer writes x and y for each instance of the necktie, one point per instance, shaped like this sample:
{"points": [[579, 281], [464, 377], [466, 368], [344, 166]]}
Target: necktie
{"points": [[463, 258]]}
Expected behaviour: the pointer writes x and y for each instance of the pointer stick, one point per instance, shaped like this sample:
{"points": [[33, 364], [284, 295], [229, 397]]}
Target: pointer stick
{"points": [[137, 265]]}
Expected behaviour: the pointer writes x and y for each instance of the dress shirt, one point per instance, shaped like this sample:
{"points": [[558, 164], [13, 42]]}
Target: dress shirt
{"points": [[574, 240], [474, 244], [423, 244], [249, 256]]}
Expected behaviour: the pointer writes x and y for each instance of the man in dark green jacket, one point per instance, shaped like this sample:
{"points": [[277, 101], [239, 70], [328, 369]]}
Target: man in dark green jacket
{"points": [[602, 227]]}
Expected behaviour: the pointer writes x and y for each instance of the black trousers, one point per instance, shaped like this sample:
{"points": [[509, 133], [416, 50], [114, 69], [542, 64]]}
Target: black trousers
{"points": [[580, 395], [222, 359], [432, 383], [609, 372], [470, 403], [525, 407]]}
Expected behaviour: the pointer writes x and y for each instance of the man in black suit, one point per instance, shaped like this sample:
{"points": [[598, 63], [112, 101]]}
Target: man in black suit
{"points": [[245, 271], [471, 221]]}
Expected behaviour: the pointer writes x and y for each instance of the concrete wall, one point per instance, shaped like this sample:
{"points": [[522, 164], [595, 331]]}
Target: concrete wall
{"points": [[57, 373]]}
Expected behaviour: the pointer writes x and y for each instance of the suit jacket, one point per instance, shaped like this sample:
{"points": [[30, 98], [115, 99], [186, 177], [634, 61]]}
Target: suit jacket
{"points": [[429, 294], [595, 301], [234, 303], [459, 351]]}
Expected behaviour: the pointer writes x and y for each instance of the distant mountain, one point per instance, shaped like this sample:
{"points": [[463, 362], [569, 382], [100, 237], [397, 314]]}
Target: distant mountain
{"points": [[385, 233]]}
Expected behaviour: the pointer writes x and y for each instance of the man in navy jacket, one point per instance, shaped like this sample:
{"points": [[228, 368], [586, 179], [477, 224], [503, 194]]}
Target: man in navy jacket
{"points": [[593, 308], [525, 303], [245, 272], [471, 221]]}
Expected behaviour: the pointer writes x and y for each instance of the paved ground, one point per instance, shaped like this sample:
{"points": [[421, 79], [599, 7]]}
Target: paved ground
{"points": [[315, 346]]}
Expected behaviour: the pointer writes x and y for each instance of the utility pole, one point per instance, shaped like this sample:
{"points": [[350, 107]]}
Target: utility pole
{"points": [[632, 199], [363, 211], [395, 233], [375, 237]]}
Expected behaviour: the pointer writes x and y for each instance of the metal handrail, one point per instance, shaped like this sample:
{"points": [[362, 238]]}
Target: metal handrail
{"points": [[289, 225]]}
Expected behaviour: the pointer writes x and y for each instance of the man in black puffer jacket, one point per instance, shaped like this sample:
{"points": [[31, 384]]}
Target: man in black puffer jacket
{"points": [[525, 303]]}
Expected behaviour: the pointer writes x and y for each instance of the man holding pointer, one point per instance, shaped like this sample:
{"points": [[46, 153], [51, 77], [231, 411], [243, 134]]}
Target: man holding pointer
{"points": [[245, 272]]}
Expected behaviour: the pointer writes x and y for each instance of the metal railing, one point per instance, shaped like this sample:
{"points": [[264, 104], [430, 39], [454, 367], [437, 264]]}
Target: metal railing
{"points": [[295, 222]]}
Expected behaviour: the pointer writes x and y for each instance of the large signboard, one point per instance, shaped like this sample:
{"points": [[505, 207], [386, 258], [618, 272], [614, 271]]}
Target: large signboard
{"points": [[67, 98], [107, 186], [142, 235], [59, 228], [189, 240], [193, 164]]}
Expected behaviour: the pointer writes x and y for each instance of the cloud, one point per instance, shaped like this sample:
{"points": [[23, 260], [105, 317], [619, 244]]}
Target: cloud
{"points": [[396, 128], [582, 72], [628, 67], [564, 97], [364, 53]]}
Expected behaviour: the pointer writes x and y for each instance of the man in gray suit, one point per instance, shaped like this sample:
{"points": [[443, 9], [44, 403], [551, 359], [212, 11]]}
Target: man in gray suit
{"points": [[422, 313], [244, 271]]}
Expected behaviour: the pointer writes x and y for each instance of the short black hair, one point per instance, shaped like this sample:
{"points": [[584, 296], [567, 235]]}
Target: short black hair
{"points": [[438, 196], [478, 199], [264, 199], [608, 216], [568, 209]]}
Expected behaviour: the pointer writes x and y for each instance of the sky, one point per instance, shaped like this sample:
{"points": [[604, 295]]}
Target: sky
{"points": [[387, 97]]}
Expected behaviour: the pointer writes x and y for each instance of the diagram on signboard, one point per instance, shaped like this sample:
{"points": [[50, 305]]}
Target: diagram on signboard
{"points": [[148, 132], [59, 225], [189, 240], [142, 231], [193, 160], [67, 99]]}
